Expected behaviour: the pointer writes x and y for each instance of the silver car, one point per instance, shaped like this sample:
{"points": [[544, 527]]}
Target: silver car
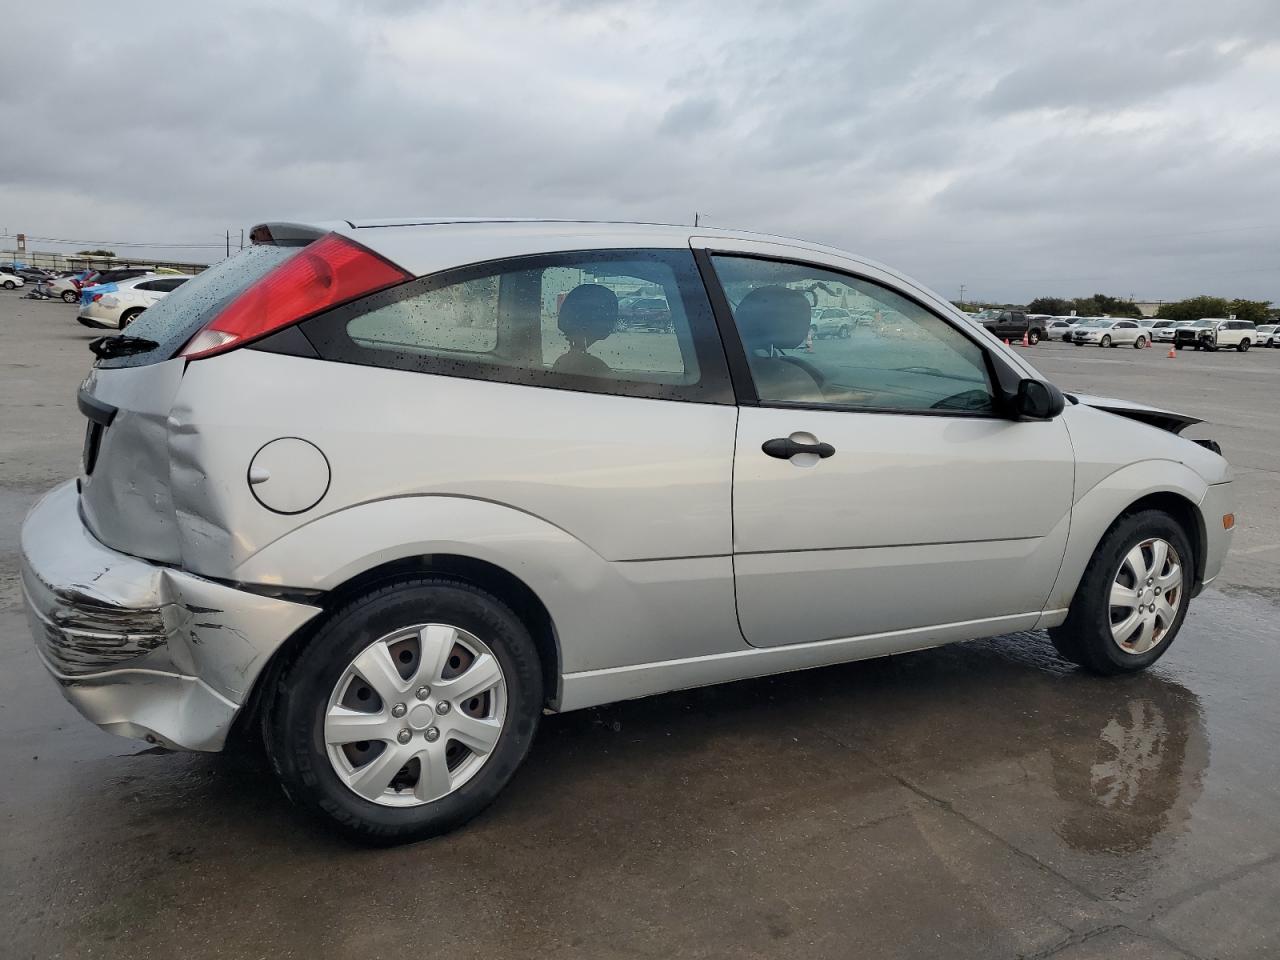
{"points": [[388, 491], [1108, 332]]}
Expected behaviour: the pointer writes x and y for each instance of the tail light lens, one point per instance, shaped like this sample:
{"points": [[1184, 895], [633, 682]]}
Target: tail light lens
{"points": [[97, 297], [328, 272]]}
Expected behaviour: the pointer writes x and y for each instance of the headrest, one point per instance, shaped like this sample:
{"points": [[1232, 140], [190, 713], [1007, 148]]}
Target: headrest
{"points": [[773, 317], [589, 313]]}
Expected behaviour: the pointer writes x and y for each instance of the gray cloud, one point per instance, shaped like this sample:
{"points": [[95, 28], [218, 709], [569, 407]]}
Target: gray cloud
{"points": [[1015, 147]]}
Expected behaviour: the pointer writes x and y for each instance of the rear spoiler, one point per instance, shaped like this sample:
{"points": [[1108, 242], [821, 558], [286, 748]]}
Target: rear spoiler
{"points": [[287, 234]]}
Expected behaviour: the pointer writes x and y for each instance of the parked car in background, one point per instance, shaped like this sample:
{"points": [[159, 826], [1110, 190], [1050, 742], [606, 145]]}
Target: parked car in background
{"points": [[11, 281], [67, 287], [103, 281], [267, 532], [1109, 332], [1162, 331], [827, 322], [1059, 329], [123, 302], [1014, 325], [1210, 333], [29, 274], [645, 313], [1269, 335]]}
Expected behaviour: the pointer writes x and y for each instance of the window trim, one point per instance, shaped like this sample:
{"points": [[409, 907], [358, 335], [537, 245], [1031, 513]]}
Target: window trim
{"points": [[740, 368], [327, 331]]}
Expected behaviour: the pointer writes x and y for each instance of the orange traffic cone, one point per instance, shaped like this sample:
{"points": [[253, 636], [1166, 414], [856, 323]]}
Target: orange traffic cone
{"points": [[1172, 353], [1025, 341]]}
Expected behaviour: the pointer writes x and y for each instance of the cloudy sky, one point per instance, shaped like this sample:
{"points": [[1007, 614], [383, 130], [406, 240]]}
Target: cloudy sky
{"points": [[1020, 147]]}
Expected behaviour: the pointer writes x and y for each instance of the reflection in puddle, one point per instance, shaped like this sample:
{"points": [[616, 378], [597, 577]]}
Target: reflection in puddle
{"points": [[1138, 772]]}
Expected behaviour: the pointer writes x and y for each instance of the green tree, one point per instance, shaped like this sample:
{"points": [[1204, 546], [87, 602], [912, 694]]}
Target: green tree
{"points": [[1053, 306], [1258, 311], [95, 253], [1100, 304], [1193, 308]]}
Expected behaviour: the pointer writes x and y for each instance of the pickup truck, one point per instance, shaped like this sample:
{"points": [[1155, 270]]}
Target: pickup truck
{"points": [[1012, 324]]}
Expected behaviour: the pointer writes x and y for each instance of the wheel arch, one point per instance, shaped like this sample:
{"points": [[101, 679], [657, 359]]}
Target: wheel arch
{"points": [[490, 577], [1152, 484]]}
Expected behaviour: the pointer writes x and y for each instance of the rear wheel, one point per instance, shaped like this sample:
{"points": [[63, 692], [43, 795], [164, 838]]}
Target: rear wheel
{"points": [[10, 285], [70, 296], [1140, 343], [1132, 598], [129, 316], [845, 332], [407, 712], [1244, 346]]}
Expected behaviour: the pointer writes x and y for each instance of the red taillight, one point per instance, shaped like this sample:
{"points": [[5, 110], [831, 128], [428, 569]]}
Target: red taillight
{"points": [[324, 274], [97, 297]]}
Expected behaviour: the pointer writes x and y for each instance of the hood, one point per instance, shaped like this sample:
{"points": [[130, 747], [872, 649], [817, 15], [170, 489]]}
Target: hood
{"points": [[1164, 419]]}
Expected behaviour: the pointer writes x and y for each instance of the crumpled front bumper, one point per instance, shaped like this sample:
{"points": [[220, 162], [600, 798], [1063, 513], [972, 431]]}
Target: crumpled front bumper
{"points": [[143, 650]]}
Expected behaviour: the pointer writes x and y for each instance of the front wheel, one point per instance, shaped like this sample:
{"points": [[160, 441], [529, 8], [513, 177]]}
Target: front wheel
{"points": [[407, 712], [1244, 346], [10, 285], [1105, 342], [846, 332], [1132, 598]]}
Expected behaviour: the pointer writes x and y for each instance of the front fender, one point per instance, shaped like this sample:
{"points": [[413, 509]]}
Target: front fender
{"points": [[605, 614], [1097, 508]]}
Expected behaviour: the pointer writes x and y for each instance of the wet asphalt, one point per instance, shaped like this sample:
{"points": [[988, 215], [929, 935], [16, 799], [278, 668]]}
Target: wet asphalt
{"points": [[982, 800]]}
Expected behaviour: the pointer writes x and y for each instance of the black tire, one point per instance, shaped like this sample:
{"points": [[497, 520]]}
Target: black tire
{"points": [[1105, 341], [129, 316], [1033, 337], [1243, 346], [845, 332], [1139, 343], [1197, 346], [1085, 637], [70, 296], [10, 285], [294, 721], [1078, 343]]}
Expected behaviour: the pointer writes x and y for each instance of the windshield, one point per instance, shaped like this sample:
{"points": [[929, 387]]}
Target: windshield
{"points": [[172, 321], [1203, 323], [1096, 323]]}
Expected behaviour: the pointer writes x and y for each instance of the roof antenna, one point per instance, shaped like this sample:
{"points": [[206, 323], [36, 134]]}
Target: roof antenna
{"points": [[695, 218]]}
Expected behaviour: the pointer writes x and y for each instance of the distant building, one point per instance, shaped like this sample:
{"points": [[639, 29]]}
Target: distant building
{"points": [[48, 260], [1149, 308]]}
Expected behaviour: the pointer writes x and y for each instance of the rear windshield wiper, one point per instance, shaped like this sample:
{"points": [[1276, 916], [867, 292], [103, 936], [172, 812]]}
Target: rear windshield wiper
{"points": [[120, 346]]}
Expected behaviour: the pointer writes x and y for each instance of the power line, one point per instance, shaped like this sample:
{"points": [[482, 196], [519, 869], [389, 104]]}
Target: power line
{"points": [[119, 243]]}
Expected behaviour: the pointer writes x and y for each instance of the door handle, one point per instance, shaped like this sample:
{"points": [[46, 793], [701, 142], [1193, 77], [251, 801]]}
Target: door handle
{"points": [[784, 448]]}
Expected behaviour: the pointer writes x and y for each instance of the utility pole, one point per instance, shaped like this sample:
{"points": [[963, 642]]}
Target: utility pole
{"points": [[962, 294], [242, 238], [695, 218], [228, 241]]}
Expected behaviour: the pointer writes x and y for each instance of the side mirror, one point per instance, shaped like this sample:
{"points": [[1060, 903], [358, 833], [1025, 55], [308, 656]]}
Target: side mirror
{"points": [[1038, 400]]}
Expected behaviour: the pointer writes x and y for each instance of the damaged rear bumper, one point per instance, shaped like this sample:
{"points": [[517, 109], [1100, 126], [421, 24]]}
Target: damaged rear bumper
{"points": [[143, 650]]}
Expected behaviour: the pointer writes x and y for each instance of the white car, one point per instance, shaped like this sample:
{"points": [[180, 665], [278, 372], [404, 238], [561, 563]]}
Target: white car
{"points": [[11, 281], [389, 491], [1210, 333], [1109, 332], [1162, 331], [1059, 328], [119, 304], [1269, 335]]}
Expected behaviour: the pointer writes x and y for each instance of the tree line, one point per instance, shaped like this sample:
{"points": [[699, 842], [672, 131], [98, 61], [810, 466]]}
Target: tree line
{"points": [[1183, 311]]}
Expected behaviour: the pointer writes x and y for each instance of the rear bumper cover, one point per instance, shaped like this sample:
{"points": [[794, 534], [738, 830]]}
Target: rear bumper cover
{"points": [[143, 650]]}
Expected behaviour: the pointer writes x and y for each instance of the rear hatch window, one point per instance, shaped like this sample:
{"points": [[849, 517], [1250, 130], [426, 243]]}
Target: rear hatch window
{"points": [[172, 321]]}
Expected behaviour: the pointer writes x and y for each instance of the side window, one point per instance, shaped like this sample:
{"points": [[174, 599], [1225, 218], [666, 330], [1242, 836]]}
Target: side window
{"points": [[169, 284], [636, 323], [903, 358], [148, 285]]}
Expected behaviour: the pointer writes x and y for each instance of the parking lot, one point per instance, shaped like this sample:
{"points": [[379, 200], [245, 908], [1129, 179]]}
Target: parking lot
{"points": [[981, 800]]}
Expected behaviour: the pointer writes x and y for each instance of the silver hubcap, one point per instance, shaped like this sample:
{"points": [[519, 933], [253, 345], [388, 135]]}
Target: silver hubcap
{"points": [[415, 715], [1145, 593]]}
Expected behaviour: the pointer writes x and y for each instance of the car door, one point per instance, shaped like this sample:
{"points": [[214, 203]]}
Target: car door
{"points": [[900, 520]]}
